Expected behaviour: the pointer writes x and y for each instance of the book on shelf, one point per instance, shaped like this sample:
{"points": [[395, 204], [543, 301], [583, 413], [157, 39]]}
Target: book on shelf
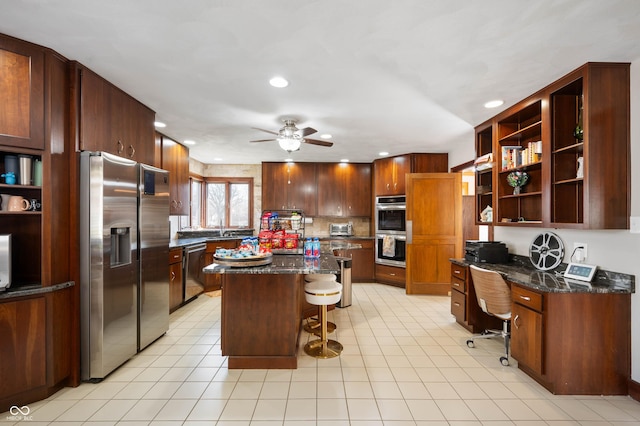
{"points": [[517, 156]]}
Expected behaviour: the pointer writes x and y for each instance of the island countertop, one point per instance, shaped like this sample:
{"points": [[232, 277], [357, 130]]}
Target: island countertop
{"points": [[283, 264]]}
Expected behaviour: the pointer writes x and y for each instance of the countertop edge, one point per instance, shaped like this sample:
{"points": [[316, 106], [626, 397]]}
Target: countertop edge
{"points": [[606, 282], [34, 291]]}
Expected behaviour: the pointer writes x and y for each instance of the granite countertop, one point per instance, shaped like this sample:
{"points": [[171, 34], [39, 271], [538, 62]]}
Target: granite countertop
{"points": [[283, 264], [184, 242], [520, 271], [32, 290]]}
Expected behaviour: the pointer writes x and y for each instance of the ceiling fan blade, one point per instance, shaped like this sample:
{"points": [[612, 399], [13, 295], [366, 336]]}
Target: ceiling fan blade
{"points": [[318, 142], [307, 131], [263, 140], [263, 130]]}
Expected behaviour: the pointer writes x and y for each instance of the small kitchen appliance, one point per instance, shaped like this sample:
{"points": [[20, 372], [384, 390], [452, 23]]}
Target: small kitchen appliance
{"points": [[486, 251], [341, 229]]}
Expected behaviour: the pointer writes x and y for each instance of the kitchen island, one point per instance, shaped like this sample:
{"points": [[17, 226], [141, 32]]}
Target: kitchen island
{"points": [[263, 308]]}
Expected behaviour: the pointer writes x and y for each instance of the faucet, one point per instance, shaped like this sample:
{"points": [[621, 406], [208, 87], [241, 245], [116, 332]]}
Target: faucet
{"points": [[221, 229]]}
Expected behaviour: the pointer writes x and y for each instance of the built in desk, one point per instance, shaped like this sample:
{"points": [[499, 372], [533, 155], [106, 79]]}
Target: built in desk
{"points": [[573, 337], [263, 308]]}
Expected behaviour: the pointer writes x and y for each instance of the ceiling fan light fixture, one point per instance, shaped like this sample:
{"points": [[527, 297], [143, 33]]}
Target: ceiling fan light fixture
{"points": [[279, 82], [289, 144], [326, 136]]}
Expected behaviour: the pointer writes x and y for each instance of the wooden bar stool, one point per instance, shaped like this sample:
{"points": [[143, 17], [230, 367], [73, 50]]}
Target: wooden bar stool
{"points": [[313, 325], [323, 293]]}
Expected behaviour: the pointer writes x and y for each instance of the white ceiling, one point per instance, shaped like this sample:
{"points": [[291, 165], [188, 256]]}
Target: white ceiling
{"points": [[399, 76]]}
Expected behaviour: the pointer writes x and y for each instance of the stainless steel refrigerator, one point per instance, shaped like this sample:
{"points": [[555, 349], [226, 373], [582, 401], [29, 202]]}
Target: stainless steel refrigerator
{"points": [[120, 225]]}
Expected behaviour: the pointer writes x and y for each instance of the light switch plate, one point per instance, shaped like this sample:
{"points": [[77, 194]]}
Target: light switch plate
{"points": [[634, 227]]}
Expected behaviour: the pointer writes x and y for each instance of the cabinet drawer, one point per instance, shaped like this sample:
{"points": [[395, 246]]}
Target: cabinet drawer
{"points": [[458, 305], [390, 274], [458, 284], [175, 256], [526, 298], [458, 271]]}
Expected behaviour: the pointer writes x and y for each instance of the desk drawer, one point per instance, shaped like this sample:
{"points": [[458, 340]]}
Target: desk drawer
{"points": [[526, 297], [458, 284], [458, 271], [458, 305]]}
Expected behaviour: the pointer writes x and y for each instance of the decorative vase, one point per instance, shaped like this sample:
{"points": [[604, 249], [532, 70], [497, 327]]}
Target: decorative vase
{"points": [[516, 190]]}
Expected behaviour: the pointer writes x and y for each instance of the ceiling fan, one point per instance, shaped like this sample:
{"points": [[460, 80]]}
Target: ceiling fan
{"points": [[290, 137]]}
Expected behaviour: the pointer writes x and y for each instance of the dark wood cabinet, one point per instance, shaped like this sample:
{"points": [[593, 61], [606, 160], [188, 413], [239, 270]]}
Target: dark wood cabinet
{"points": [[175, 159], [464, 303], [572, 139], [110, 120], [392, 275], [344, 190], [287, 186], [23, 336], [362, 260], [573, 343], [176, 296], [22, 69], [389, 173], [213, 282]]}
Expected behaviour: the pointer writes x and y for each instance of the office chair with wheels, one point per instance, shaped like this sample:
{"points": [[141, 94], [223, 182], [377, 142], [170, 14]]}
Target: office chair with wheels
{"points": [[494, 298]]}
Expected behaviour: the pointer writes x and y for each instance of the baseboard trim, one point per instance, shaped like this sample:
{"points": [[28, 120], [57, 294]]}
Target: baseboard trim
{"points": [[634, 390]]}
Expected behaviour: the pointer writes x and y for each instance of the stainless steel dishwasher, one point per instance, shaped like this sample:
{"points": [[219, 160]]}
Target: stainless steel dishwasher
{"points": [[193, 276]]}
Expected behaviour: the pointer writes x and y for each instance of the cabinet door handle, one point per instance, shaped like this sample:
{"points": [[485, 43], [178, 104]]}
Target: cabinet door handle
{"points": [[456, 284], [527, 298], [120, 147], [456, 304], [392, 274], [388, 186], [174, 203], [515, 321], [456, 272], [132, 151], [180, 204], [173, 276]]}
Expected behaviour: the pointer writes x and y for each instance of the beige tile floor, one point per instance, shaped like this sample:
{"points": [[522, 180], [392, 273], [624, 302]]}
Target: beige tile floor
{"points": [[405, 362]]}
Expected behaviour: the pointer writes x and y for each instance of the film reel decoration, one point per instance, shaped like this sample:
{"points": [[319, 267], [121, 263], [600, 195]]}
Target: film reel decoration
{"points": [[546, 251]]}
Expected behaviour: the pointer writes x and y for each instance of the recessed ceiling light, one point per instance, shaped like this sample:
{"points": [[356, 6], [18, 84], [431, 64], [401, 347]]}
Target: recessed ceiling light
{"points": [[217, 159], [189, 142], [344, 160], [288, 160], [494, 104], [278, 82], [383, 153], [159, 124], [326, 136]]}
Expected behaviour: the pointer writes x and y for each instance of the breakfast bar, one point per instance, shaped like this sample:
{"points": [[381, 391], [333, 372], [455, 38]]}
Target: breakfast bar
{"points": [[263, 308]]}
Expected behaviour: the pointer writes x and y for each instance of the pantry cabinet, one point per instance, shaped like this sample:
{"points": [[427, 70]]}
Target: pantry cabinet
{"points": [[389, 173], [572, 141], [110, 120], [175, 159], [22, 69], [344, 189]]}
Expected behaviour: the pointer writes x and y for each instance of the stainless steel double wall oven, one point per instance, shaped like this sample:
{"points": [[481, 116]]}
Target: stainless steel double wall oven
{"points": [[391, 231]]}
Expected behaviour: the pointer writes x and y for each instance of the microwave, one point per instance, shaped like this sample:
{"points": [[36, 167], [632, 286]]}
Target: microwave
{"points": [[391, 214]]}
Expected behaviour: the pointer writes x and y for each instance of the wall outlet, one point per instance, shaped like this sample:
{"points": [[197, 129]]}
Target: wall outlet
{"points": [[580, 254]]}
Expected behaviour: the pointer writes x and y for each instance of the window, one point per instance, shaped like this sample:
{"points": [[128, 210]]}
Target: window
{"points": [[229, 202]]}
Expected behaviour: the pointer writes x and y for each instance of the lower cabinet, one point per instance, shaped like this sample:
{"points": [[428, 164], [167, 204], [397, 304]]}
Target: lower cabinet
{"points": [[464, 304], [176, 296], [37, 354], [362, 270], [213, 282], [573, 343]]}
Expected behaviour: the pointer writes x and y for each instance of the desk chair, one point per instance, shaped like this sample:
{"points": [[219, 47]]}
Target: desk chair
{"points": [[494, 298]]}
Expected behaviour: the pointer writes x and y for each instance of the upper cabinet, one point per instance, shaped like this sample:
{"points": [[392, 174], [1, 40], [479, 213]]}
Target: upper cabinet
{"points": [[175, 159], [389, 173], [571, 140], [289, 186], [344, 189], [21, 94], [109, 120]]}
